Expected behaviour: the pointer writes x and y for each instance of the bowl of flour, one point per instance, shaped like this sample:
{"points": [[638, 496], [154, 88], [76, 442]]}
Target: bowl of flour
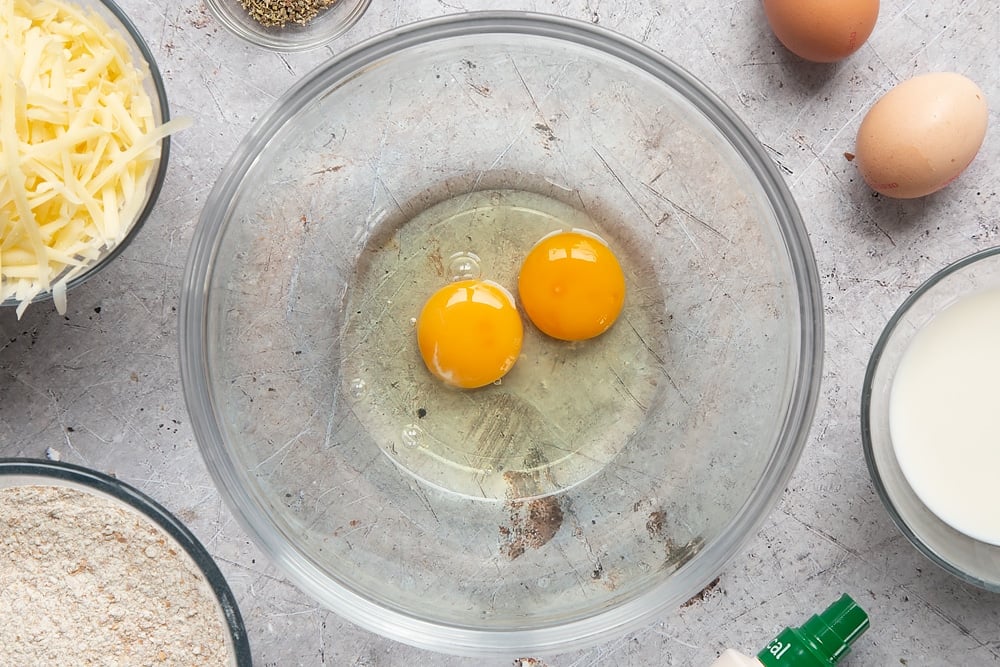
{"points": [[94, 569]]}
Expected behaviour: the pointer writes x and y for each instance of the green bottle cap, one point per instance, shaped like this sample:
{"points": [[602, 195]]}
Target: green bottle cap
{"points": [[821, 641]]}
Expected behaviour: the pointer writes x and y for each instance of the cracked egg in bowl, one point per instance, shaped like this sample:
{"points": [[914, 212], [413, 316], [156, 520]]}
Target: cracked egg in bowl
{"points": [[501, 334]]}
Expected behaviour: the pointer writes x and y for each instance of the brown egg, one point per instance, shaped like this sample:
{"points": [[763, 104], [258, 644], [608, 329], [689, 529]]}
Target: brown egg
{"points": [[921, 135], [823, 31]]}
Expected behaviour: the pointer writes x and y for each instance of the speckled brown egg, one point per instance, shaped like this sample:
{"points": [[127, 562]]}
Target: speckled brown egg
{"points": [[823, 31], [921, 135]]}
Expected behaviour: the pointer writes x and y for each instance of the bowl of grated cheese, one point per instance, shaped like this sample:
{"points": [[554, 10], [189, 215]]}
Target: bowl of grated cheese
{"points": [[84, 141]]}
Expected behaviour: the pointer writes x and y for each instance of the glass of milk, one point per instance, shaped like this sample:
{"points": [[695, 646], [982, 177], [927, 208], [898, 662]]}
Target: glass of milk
{"points": [[930, 418]]}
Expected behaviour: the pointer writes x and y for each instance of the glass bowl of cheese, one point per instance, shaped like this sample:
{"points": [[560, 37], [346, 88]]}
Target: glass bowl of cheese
{"points": [[84, 140]]}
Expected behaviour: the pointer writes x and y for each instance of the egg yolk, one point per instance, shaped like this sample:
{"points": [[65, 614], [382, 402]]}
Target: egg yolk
{"points": [[571, 285], [469, 333]]}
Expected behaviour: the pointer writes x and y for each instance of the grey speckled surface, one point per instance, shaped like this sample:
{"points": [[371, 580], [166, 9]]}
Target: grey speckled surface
{"points": [[102, 387]]}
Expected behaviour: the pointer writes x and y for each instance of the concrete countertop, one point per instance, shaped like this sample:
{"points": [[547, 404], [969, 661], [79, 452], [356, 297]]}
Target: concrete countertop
{"points": [[101, 385]]}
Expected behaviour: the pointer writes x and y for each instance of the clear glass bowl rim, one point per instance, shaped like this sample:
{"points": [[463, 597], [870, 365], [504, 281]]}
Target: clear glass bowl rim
{"points": [[45, 471], [470, 641], [161, 169], [866, 431], [275, 42]]}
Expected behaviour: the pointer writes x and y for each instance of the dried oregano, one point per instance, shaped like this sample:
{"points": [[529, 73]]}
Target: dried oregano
{"points": [[276, 13]]}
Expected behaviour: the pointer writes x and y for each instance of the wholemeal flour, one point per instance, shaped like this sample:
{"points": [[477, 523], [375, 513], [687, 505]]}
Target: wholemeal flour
{"points": [[87, 581]]}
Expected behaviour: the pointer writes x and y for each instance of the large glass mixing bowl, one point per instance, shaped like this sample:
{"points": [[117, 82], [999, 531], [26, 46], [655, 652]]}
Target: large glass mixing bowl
{"points": [[600, 482]]}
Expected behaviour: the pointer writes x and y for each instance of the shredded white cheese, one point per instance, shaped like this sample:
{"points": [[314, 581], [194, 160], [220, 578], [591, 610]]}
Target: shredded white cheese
{"points": [[78, 145]]}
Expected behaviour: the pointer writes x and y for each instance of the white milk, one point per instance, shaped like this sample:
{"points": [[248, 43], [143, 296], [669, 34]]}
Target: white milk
{"points": [[944, 415]]}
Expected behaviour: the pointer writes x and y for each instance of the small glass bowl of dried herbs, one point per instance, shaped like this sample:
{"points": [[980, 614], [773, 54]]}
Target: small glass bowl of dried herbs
{"points": [[288, 25]]}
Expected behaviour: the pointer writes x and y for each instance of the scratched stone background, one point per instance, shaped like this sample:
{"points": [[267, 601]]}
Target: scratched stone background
{"points": [[101, 385]]}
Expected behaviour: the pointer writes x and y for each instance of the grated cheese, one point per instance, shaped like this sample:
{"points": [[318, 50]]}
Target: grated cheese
{"points": [[78, 145]]}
